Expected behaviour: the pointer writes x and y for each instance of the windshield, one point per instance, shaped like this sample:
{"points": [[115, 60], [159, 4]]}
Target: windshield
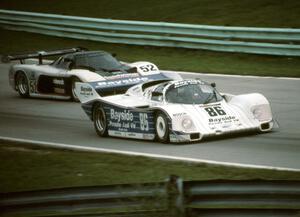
{"points": [[98, 62], [198, 93]]}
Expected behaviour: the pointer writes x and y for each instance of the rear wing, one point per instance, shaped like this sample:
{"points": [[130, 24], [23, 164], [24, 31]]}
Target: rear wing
{"points": [[40, 54]]}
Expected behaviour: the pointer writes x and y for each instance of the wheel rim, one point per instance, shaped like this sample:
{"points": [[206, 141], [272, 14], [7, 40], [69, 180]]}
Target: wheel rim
{"points": [[100, 120], [22, 84], [161, 127]]}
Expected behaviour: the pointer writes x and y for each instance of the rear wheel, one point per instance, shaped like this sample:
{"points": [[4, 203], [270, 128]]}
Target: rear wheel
{"points": [[22, 84], [100, 122], [162, 127], [73, 88]]}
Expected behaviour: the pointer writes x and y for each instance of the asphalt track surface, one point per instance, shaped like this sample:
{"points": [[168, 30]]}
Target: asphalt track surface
{"points": [[65, 122]]}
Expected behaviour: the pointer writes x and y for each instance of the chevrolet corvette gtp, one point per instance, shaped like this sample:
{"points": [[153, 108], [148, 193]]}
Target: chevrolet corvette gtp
{"points": [[175, 111], [57, 79]]}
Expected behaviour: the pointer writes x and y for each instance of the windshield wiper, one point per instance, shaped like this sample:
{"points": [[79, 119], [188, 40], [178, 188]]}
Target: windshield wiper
{"points": [[215, 95], [211, 96]]}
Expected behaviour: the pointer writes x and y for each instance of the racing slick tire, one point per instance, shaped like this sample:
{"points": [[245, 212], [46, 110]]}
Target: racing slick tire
{"points": [[74, 97], [162, 127], [100, 121], [22, 84]]}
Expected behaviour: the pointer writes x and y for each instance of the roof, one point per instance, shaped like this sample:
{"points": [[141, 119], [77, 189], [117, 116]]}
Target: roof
{"points": [[86, 53]]}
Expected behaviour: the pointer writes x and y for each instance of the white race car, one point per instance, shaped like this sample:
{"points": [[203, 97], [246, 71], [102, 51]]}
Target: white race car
{"points": [[57, 79], [175, 111]]}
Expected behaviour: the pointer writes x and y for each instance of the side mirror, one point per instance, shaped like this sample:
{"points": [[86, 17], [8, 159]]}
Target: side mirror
{"points": [[213, 84], [132, 70], [157, 96]]}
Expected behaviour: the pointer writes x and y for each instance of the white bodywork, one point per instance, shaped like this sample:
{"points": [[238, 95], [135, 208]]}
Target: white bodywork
{"points": [[192, 122], [33, 71]]}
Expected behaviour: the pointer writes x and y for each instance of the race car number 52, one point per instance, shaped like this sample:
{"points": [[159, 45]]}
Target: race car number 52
{"points": [[215, 111], [148, 68]]}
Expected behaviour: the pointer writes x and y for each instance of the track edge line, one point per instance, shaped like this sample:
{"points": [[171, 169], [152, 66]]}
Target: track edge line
{"points": [[131, 153]]}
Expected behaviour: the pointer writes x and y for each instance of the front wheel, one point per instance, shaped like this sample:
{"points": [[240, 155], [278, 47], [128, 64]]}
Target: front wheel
{"points": [[100, 122], [73, 87], [162, 127], [22, 84]]}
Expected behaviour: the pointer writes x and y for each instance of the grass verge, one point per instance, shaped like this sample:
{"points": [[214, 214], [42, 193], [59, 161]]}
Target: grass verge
{"points": [[257, 13], [31, 168]]}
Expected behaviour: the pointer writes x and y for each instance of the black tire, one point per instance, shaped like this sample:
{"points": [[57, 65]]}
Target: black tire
{"points": [[100, 121], [22, 84], [74, 97], [162, 127]]}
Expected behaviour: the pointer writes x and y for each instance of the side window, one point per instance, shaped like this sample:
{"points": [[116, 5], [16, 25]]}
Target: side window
{"points": [[62, 64], [156, 96]]}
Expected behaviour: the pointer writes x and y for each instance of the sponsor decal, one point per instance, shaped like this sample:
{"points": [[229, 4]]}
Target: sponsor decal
{"points": [[58, 81], [122, 76], [118, 116], [122, 82], [125, 120], [122, 120], [187, 82], [86, 91], [222, 119], [179, 114], [224, 122]]}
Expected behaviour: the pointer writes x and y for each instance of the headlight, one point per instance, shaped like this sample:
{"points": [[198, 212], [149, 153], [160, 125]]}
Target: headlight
{"points": [[258, 113], [262, 113], [187, 123]]}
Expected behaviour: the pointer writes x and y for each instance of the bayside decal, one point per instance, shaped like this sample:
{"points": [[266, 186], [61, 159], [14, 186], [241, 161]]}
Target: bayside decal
{"points": [[86, 91], [122, 82], [124, 120], [122, 76], [221, 120], [118, 116]]}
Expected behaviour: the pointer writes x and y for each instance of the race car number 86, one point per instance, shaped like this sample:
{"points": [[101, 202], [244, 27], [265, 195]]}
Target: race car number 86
{"points": [[215, 111]]}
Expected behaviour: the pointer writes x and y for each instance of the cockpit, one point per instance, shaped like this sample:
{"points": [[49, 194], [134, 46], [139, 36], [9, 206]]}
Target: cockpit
{"points": [[192, 92], [185, 92]]}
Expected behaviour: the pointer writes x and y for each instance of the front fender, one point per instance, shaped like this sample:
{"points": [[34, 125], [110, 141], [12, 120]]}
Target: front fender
{"points": [[255, 104], [86, 75]]}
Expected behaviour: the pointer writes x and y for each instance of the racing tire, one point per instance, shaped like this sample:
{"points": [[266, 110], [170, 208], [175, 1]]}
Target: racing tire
{"points": [[162, 128], [100, 121], [74, 97], [22, 84]]}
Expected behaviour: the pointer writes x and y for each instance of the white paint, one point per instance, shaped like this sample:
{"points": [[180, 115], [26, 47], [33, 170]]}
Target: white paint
{"points": [[130, 153]]}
